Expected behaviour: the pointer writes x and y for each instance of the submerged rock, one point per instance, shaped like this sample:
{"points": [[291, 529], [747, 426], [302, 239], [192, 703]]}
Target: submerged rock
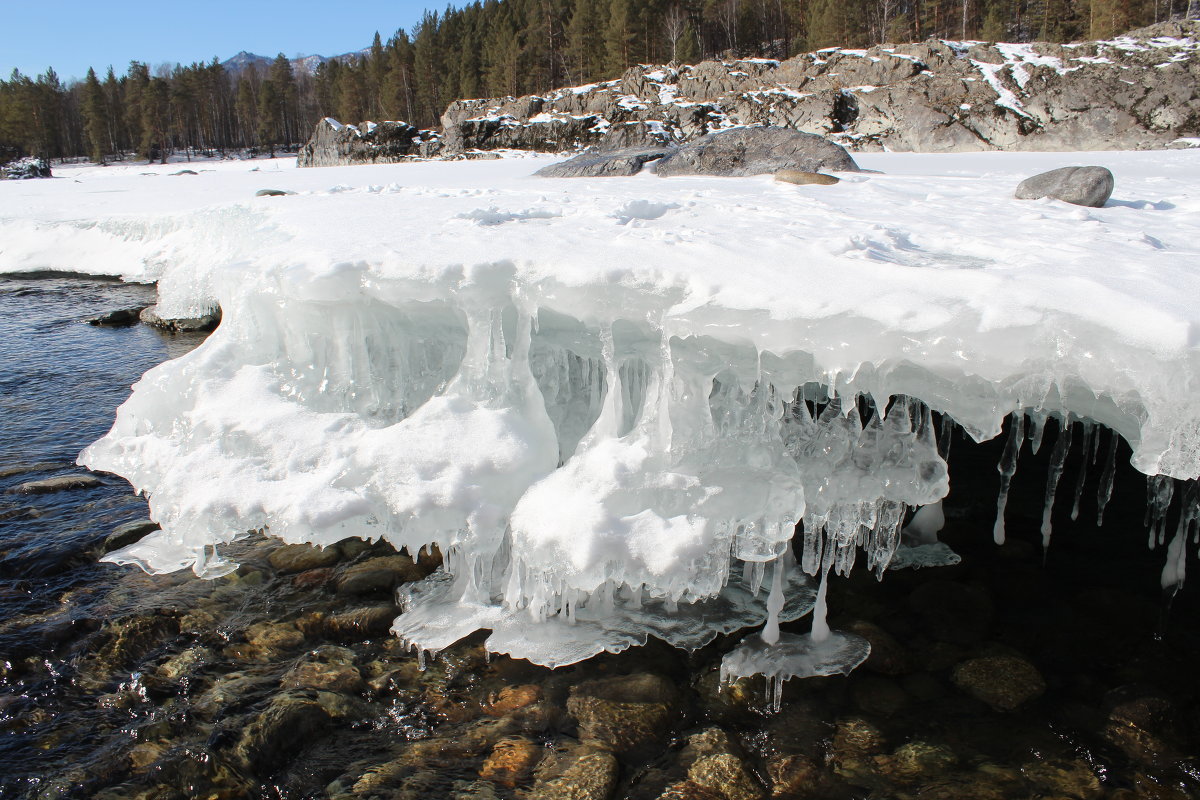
{"points": [[756, 151], [61, 483], [585, 773], [1081, 186], [1004, 682], [274, 736], [301, 557], [627, 713]]}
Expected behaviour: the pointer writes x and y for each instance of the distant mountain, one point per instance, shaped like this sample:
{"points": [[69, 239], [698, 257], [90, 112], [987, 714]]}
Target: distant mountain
{"points": [[302, 64]]}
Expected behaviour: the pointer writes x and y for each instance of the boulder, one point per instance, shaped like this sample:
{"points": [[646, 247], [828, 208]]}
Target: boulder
{"points": [[203, 323], [272, 193], [300, 557], [756, 151], [334, 144], [1081, 186]]}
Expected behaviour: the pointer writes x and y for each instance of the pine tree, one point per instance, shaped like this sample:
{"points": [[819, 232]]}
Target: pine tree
{"points": [[95, 115], [585, 44], [618, 38], [270, 115]]}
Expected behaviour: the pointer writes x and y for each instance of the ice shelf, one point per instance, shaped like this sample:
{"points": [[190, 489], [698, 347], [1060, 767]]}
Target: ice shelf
{"points": [[612, 429]]}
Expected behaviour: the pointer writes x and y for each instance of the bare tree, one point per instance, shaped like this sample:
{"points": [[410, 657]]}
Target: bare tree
{"points": [[674, 24]]}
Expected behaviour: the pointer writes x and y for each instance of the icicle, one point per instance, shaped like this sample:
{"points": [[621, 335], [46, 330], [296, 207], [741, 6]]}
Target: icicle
{"points": [[820, 623], [1104, 491], [1057, 459], [757, 571], [1008, 468], [945, 437], [1160, 491], [1037, 428], [1089, 431], [770, 631]]}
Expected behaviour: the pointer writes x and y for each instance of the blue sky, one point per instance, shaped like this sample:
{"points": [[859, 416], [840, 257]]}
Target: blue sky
{"points": [[70, 35]]}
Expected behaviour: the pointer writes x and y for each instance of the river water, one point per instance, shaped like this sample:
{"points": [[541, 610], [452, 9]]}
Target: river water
{"points": [[1009, 675]]}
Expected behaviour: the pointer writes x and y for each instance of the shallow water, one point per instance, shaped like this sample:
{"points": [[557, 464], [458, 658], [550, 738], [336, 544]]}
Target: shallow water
{"points": [[281, 682]]}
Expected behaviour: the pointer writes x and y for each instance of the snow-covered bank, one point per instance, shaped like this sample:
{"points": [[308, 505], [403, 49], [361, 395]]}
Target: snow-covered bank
{"points": [[596, 395]]}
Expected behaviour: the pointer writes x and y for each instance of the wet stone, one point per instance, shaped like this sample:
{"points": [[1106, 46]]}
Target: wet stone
{"points": [[378, 575], [855, 738], [313, 578], [512, 698], [917, 761], [127, 534], [888, 656], [511, 762], [586, 773], [628, 713], [300, 557], [1144, 728], [689, 790], [332, 677], [274, 736], [715, 762], [1004, 682], [61, 483], [268, 640], [1063, 778]]}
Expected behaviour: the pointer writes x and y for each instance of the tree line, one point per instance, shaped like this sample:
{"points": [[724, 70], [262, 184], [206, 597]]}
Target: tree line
{"points": [[495, 48]]}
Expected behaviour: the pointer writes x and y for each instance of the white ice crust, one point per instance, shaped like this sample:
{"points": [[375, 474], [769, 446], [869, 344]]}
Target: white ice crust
{"points": [[613, 398]]}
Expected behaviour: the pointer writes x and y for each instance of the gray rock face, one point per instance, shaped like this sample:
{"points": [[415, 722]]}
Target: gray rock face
{"points": [[594, 164], [334, 144], [755, 151], [930, 96], [1082, 186], [127, 534]]}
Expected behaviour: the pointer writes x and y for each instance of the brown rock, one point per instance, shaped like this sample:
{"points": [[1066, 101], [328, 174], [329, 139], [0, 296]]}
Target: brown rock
{"points": [[512, 698], [300, 557], [627, 713], [332, 677], [1063, 778], [511, 762], [586, 773], [802, 178], [377, 575]]}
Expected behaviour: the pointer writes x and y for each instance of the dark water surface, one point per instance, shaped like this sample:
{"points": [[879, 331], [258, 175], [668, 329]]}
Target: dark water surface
{"points": [[1015, 674]]}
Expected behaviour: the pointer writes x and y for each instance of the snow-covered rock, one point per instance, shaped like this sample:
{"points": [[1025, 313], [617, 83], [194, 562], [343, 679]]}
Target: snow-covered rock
{"points": [[334, 144]]}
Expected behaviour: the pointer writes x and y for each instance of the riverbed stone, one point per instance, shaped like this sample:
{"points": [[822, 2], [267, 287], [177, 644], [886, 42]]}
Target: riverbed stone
{"points": [[292, 558], [334, 677], [117, 318], [512, 761], [1004, 682], [627, 713], [586, 772], [1081, 186], [127, 534], [274, 736], [378, 575], [715, 762], [1064, 778]]}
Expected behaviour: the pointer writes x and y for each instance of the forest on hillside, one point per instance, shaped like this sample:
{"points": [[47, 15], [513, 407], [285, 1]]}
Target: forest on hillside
{"points": [[494, 48]]}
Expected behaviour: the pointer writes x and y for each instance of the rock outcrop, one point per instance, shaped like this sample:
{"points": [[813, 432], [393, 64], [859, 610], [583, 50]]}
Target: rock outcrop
{"points": [[25, 168], [1136, 91], [334, 144], [756, 151]]}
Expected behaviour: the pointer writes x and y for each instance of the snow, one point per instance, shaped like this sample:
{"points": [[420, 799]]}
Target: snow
{"points": [[608, 401]]}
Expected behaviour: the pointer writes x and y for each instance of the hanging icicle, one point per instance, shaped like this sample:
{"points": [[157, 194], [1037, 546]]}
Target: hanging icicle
{"points": [[1008, 468], [1059, 457]]}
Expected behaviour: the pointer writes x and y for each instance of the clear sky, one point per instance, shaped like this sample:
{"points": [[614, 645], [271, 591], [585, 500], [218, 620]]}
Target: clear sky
{"points": [[71, 35]]}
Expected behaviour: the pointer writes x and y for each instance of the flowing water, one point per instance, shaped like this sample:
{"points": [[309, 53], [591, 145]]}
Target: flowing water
{"points": [[1013, 674]]}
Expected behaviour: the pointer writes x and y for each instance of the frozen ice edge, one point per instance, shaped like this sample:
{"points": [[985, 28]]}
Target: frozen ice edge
{"points": [[301, 413]]}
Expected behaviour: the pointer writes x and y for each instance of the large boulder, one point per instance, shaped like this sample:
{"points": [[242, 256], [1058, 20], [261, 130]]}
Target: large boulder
{"points": [[1082, 186], [755, 151], [334, 144], [600, 164]]}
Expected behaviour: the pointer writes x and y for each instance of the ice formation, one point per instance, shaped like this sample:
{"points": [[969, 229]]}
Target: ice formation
{"points": [[610, 403]]}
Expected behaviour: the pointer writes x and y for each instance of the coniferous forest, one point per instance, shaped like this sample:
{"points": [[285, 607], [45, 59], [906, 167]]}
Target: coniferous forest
{"points": [[493, 48]]}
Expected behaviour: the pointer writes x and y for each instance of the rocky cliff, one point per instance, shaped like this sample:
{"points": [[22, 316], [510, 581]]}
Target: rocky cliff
{"points": [[1136, 91]]}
